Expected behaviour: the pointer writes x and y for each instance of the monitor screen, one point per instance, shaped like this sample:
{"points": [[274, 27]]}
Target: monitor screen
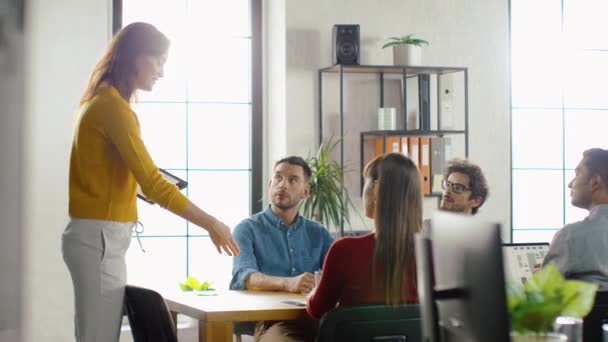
{"points": [[461, 283], [521, 259]]}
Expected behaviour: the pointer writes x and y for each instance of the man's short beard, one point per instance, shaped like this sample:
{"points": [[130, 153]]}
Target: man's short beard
{"points": [[285, 207], [452, 209]]}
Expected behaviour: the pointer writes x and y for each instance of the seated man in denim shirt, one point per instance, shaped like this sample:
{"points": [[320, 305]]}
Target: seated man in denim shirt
{"points": [[280, 250]]}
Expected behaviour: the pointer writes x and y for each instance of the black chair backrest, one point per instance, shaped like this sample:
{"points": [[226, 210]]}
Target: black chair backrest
{"points": [[149, 316], [371, 323], [592, 323]]}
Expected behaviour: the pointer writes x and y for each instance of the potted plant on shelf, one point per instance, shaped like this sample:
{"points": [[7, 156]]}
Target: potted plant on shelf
{"points": [[535, 306], [328, 202], [407, 50]]}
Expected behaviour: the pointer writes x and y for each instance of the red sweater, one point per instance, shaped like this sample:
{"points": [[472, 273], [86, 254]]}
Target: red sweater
{"points": [[347, 278]]}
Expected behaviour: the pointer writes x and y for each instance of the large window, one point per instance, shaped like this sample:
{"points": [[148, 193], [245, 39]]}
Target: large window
{"points": [[201, 122], [559, 107]]}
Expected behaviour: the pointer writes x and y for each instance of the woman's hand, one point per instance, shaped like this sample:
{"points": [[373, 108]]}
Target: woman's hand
{"points": [[222, 238], [218, 232]]}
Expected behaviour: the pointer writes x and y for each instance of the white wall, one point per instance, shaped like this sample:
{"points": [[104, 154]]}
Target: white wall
{"points": [[65, 38], [274, 79], [11, 180], [472, 34]]}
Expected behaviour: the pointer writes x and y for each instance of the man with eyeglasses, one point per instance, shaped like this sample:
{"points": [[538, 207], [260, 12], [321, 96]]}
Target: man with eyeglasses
{"points": [[465, 188]]}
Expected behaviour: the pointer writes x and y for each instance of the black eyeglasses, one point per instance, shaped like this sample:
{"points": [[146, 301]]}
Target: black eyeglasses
{"points": [[456, 187]]}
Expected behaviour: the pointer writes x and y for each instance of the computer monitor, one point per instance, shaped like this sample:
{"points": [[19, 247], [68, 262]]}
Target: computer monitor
{"points": [[521, 259], [461, 283]]}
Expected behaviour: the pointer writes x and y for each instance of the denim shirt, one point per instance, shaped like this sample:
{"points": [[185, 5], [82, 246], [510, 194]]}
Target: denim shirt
{"points": [[271, 247]]}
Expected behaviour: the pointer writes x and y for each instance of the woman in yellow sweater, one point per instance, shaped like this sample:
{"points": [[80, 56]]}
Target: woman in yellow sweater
{"points": [[108, 161]]}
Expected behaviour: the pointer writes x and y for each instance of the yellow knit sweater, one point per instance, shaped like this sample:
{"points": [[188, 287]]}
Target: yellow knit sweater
{"points": [[109, 159]]}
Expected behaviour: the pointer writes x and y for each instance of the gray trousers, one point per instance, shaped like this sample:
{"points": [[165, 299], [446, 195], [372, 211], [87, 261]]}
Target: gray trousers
{"points": [[94, 251]]}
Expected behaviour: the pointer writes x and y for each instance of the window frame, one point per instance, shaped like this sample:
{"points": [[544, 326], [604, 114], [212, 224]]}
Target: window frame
{"points": [[565, 108], [256, 96]]}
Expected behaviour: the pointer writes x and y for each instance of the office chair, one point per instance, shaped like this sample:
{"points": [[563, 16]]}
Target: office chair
{"points": [[592, 323], [149, 316], [243, 328], [371, 323]]}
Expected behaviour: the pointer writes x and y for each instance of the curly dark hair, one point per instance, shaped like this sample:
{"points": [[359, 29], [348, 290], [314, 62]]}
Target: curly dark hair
{"points": [[477, 181]]}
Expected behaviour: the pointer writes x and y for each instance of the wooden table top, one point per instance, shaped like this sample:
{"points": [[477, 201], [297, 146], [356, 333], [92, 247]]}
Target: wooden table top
{"points": [[237, 305]]}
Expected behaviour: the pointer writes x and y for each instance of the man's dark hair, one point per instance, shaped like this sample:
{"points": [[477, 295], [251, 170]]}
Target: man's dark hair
{"points": [[596, 160], [298, 161], [477, 181]]}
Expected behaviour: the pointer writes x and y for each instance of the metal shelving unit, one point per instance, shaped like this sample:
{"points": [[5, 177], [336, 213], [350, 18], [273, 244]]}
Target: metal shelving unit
{"points": [[383, 73]]}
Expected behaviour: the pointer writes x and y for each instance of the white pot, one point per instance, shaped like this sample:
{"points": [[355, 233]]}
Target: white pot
{"points": [[407, 55], [538, 337]]}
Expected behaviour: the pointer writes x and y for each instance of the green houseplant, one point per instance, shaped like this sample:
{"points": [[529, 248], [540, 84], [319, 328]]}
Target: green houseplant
{"points": [[534, 306], [193, 284], [328, 202], [405, 40], [407, 50]]}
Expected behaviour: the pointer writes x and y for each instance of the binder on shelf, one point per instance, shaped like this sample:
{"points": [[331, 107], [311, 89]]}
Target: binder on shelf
{"points": [[446, 102], [414, 150], [369, 150], [379, 146], [447, 149], [393, 144], [412, 109], [424, 101], [437, 163], [434, 102], [404, 146], [425, 164]]}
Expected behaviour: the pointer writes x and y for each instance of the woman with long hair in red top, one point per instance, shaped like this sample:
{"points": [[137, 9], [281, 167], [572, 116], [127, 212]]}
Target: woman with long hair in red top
{"points": [[377, 268]]}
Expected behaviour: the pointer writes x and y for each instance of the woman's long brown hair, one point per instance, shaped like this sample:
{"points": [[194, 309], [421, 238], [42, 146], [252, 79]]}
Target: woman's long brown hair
{"points": [[117, 65], [397, 217]]}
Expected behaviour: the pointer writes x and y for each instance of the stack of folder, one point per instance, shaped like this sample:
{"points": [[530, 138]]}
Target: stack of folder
{"points": [[428, 153]]}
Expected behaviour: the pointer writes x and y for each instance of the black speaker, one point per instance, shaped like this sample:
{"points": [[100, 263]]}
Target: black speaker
{"points": [[345, 39]]}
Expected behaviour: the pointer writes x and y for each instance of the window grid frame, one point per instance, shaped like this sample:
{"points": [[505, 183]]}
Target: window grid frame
{"points": [[564, 170], [255, 120]]}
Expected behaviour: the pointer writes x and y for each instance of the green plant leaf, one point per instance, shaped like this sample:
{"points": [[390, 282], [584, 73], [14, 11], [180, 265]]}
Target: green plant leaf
{"points": [[204, 286], [185, 287], [578, 298], [515, 295], [535, 316], [193, 283], [547, 281], [391, 44], [546, 295], [405, 40], [328, 202], [417, 42]]}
